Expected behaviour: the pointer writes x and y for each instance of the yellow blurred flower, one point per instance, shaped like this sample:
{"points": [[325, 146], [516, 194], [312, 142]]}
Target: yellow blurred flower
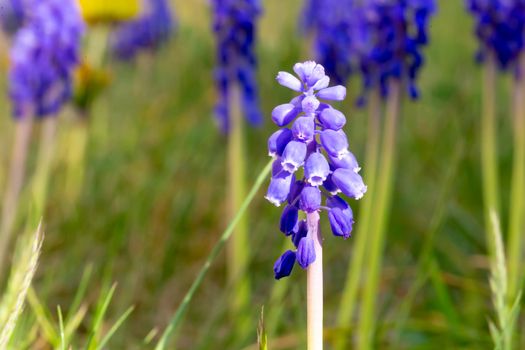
{"points": [[96, 11]]}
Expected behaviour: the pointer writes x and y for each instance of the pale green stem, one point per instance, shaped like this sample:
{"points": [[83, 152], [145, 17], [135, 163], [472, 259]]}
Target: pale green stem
{"points": [[14, 183], [77, 141], [489, 164], [314, 286], [45, 157], [355, 267], [385, 179], [238, 249], [177, 317], [517, 209]]}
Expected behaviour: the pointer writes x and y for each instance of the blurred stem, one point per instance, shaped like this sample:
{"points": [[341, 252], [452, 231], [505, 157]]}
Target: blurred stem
{"points": [[177, 317], [355, 267], [517, 213], [97, 45], [314, 286], [15, 180], [489, 162], [238, 249], [43, 169], [77, 140], [382, 211]]}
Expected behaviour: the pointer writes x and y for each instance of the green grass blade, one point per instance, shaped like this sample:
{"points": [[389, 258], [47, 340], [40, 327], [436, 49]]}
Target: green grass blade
{"points": [[62, 345], [99, 317], [115, 327], [211, 257]]}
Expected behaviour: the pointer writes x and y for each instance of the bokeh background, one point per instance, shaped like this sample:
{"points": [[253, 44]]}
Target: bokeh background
{"points": [[152, 204]]}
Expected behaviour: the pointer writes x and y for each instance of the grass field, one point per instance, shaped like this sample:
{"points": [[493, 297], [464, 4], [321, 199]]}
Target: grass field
{"points": [[152, 203]]}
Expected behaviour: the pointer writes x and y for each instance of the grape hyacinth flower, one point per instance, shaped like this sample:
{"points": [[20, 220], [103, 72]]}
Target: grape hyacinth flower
{"points": [[312, 162], [388, 39], [44, 54], [146, 33], [234, 25], [331, 24], [499, 29], [12, 15]]}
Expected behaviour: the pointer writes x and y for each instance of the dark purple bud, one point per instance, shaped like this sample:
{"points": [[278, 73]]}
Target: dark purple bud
{"points": [[336, 93], [316, 169], [329, 185], [300, 231], [335, 143], [310, 199], [280, 184], [283, 114], [310, 104], [303, 128], [289, 219], [297, 187], [332, 119], [349, 182], [278, 141], [289, 81], [293, 156], [305, 252], [348, 161], [284, 265], [340, 216]]}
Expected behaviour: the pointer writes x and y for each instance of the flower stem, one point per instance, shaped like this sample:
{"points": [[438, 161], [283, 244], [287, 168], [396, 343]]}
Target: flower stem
{"points": [[238, 251], [45, 158], [489, 166], [517, 214], [353, 277], [14, 183], [314, 286], [381, 214]]}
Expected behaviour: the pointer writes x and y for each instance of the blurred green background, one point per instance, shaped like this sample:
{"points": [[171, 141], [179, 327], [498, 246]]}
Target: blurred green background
{"points": [[153, 200]]}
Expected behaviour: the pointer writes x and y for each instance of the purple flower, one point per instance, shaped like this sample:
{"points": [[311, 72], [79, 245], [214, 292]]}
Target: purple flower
{"points": [[234, 26], [330, 23], [146, 33], [305, 252], [388, 39], [284, 265], [12, 15], [325, 160], [499, 27], [43, 55], [341, 216]]}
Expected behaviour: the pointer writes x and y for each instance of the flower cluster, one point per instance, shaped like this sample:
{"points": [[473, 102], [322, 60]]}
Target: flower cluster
{"points": [[499, 27], [388, 41], [317, 144], [331, 23], [234, 25], [148, 32], [43, 56], [12, 15]]}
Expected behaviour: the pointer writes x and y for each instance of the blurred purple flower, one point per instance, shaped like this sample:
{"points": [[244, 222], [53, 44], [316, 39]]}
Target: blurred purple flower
{"points": [[234, 25], [330, 22], [388, 41], [146, 33], [315, 140], [12, 15], [499, 27], [43, 56]]}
